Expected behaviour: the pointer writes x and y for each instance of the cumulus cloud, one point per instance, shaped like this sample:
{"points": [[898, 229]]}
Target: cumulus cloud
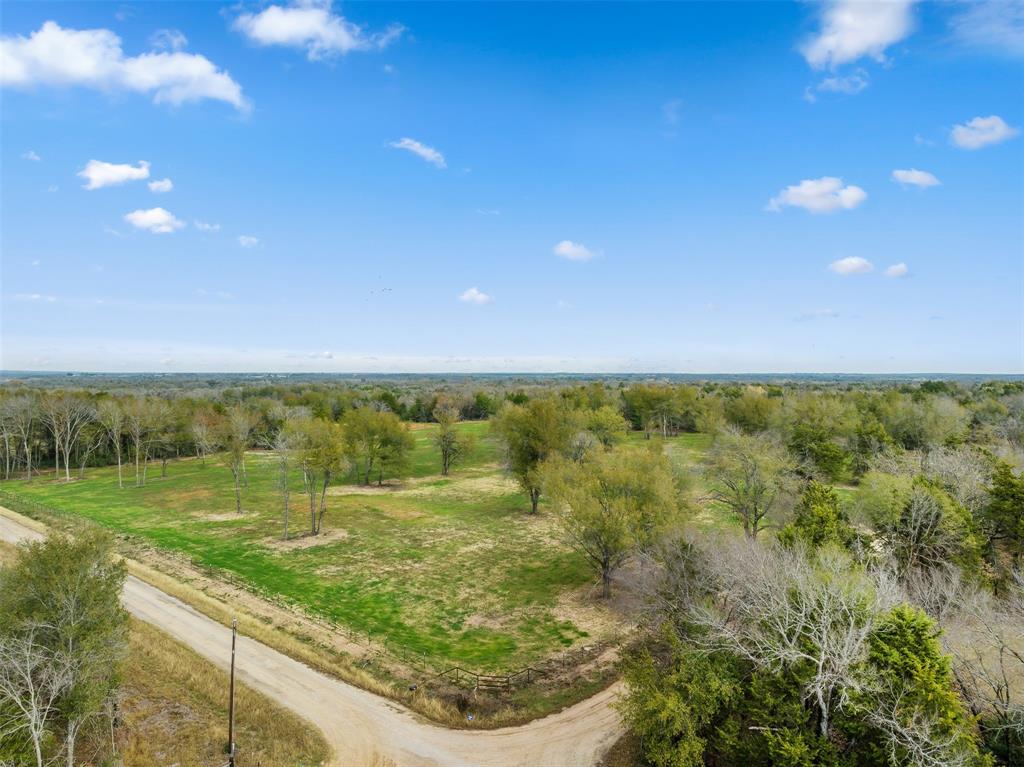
{"points": [[914, 177], [248, 241], [99, 174], [852, 29], [819, 195], [574, 251], [475, 296], [204, 226], [161, 186], [92, 58], [897, 270], [428, 153], [982, 131], [851, 265], [156, 220], [313, 26], [31, 155]]}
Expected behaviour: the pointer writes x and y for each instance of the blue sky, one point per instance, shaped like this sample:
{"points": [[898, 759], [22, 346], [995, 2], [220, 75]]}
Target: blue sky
{"points": [[514, 186]]}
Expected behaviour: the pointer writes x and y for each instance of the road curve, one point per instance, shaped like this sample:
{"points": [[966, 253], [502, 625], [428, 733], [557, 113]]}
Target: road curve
{"points": [[365, 729]]}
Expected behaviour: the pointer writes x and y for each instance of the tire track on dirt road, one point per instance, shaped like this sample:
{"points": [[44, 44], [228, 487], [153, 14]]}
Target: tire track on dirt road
{"points": [[365, 729]]}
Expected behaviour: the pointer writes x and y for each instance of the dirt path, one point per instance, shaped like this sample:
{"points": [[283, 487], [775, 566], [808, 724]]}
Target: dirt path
{"points": [[362, 728]]}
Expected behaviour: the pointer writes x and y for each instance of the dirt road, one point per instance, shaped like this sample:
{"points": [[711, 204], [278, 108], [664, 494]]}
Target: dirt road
{"points": [[365, 729]]}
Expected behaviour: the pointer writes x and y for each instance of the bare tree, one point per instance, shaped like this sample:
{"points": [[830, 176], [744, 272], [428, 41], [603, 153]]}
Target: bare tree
{"points": [[283, 446], [65, 416], [32, 681], [22, 413], [144, 417], [112, 420], [204, 435], [778, 608], [240, 424]]}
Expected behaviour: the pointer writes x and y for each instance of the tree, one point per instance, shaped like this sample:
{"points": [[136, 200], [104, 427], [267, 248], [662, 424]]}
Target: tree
{"points": [[452, 445], [374, 440], [818, 520], [750, 476], [65, 416], [607, 425], [239, 425], [234, 436], [144, 418], [612, 504], [531, 433], [22, 412], [1003, 515], [321, 456], [111, 419], [912, 700], [63, 633], [283, 445], [204, 434]]}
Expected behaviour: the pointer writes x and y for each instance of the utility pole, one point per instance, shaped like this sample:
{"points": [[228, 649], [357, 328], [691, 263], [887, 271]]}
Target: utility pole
{"points": [[231, 694]]}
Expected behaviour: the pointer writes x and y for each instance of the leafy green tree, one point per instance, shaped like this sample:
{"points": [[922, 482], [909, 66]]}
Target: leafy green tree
{"points": [[375, 441], [532, 433], [750, 476], [818, 520], [912, 700], [320, 453], [612, 504], [1003, 517], [677, 706], [63, 634], [607, 425], [753, 411], [451, 443]]}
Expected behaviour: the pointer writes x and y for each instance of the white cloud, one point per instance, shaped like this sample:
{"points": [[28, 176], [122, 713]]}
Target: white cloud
{"points": [[31, 155], [156, 220], [818, 314], [849, 85], [428, 153], [982, 131], [312, 25], [161, 186], [574, 251], [914, 177], [35, 297], [991, 25], [474, 296], [168, 40], [896, 270], [820, 195], [99, 174], [204, 226], [851, 265], [852, 29], [92, 58], [248, 241]]}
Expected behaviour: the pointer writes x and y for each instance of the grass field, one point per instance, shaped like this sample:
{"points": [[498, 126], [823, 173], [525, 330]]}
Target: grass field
{"points": [[453, 569]]}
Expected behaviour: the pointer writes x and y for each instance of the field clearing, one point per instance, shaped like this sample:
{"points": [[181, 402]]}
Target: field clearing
{"points": [[453, 569]]}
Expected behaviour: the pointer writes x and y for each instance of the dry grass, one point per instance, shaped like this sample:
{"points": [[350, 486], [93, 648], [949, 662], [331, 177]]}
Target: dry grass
{"points": [[174, 711]]}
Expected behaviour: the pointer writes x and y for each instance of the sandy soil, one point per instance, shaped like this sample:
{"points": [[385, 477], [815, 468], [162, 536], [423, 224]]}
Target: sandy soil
{"points": [[365, 729]]}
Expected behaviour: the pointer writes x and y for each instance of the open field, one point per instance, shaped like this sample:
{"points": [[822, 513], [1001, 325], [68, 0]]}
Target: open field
{"points": [[452, 569]]}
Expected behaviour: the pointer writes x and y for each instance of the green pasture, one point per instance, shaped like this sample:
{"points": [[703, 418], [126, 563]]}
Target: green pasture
{"points": [[454, 568]]}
